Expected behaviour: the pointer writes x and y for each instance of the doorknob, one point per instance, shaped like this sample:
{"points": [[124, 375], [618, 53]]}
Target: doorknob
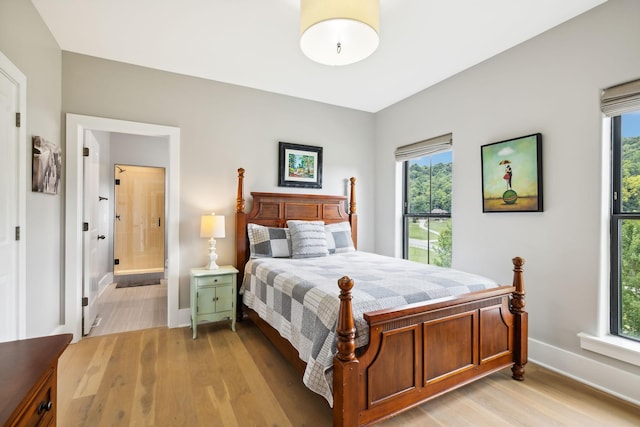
{"points": [[101, 237]]}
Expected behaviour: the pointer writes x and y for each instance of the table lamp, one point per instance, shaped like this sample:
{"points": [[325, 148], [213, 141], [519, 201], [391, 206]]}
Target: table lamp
{"points": [[212, 226]]}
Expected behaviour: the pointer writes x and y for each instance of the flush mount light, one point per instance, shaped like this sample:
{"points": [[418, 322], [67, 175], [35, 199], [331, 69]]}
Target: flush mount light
{"points": [[339, 32]]}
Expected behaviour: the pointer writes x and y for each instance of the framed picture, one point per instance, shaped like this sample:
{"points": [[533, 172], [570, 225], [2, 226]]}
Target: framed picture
{"points": [[46, 166], [512, 175], [300, 166]]}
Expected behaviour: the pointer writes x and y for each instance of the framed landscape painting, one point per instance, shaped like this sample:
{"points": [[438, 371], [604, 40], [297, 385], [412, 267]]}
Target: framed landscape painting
{"points": [[300, 166], [512, 175]]}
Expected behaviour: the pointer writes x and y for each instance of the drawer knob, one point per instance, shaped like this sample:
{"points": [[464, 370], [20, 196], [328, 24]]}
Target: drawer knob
{"points": [[44, 406]]}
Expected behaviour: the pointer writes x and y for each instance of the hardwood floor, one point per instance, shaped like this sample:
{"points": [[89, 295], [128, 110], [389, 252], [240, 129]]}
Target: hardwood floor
{"points": [[131, 309], [162, 377]]}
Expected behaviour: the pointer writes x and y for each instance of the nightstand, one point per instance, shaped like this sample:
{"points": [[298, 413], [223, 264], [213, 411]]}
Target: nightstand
{"points": [[213, 296]]}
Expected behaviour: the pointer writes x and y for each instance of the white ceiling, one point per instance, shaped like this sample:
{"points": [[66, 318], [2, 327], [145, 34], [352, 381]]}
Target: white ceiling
{"points": [[255, 43]]}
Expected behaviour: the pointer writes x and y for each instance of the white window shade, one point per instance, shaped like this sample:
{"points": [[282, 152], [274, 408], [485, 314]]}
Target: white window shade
{"points": [[424, 148], [621, 99]]}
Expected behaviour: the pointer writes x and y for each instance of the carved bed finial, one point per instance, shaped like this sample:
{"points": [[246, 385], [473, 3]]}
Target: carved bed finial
{"points": [[352, 202], [518, 303], [520, 351], [346, 329], [240, 197]]}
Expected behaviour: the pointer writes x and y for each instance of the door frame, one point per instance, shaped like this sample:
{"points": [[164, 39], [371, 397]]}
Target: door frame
{"points": [[76, 125], [15, 75]]}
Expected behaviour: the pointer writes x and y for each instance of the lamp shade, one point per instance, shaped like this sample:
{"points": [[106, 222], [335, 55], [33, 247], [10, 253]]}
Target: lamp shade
{"points": [[212, 226], [339, 32]]}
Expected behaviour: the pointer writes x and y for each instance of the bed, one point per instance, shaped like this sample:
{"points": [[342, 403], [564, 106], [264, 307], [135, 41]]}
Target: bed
{"points": [[411, 352]]}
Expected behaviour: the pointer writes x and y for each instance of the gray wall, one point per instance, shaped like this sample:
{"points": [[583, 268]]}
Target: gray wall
{"points": [[550, 84], [27, 42], [224, 127]]}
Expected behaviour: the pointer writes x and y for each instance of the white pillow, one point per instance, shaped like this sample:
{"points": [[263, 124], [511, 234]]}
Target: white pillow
{"points": [[338, 237], [308, 239]]}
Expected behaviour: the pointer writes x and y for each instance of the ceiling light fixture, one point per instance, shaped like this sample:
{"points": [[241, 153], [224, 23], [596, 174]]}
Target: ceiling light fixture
{"points": [[339, 32]]}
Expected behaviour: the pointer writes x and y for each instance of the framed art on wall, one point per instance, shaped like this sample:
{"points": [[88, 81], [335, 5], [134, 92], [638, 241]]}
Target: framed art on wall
{"points": [[300, 166], [46, 166], [512, 175]]}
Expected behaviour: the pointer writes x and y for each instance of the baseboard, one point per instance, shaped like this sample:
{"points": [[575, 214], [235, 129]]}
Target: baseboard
{"points": [[606, 378], [184, 317], [106, 280]]}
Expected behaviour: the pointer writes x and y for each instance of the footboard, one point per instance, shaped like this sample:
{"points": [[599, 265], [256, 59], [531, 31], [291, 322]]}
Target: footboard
{"points": [[424, 350]]}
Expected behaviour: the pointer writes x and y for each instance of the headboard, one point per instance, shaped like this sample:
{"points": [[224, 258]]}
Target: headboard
{"points": [[274, 209]]}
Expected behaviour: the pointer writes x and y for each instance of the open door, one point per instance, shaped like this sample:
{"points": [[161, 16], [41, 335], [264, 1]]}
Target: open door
{"points": [[139, 226], [9, 190], [91, 165]]}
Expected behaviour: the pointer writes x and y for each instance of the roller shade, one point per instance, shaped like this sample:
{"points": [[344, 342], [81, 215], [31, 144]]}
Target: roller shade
{"points": [[621, 99], [424, 148]]}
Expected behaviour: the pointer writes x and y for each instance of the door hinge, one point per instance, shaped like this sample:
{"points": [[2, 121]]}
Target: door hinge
{"points": [[117, 181], [85, 226], [18, 119], [85, 301], [85, 151], [18, 232]]}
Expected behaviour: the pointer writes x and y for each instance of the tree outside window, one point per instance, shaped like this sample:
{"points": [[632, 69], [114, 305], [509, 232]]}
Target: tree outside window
{"points": [[625, 287], [427, 209]]}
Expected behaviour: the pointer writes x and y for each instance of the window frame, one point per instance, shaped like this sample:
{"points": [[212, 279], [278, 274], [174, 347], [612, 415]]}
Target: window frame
{"points": [[406, 215], [617, 216]]}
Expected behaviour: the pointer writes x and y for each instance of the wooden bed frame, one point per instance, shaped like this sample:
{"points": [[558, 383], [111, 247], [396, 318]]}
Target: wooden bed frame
{"points": [[415, 352]]}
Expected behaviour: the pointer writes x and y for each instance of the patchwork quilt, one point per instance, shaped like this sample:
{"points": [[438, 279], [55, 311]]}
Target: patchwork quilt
{"points": [[299, 298]]}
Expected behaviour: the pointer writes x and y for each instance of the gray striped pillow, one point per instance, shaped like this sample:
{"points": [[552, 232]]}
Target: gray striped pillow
{"points": [[308, 239]]}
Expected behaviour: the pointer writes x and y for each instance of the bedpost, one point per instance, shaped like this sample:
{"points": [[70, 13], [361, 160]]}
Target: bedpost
{"points": [[241, 228], [345, 364], [521, 323], [353, 216]]}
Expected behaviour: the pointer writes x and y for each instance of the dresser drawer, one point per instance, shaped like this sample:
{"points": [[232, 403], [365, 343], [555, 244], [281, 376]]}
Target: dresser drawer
{"points": [[39, 411], [215, 280]]}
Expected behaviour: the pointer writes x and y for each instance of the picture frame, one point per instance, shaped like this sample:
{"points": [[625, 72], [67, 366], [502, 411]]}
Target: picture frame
{"points": [[512, 175], [46, 166], [300, 166]]}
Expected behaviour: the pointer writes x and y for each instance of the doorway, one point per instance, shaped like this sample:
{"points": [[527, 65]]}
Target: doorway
{"points": [[138, 245], [76, 126]]}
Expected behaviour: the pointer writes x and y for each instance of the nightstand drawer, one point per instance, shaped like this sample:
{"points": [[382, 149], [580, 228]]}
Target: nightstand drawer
{"points": [[215, 280]]}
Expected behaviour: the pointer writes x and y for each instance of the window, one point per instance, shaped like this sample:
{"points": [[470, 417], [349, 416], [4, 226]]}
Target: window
{"points": [[625, 226], [427, 200], [427, 209]]}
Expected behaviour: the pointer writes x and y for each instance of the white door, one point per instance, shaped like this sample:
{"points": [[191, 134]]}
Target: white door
{"points": [[91, 164], [9, 301]]}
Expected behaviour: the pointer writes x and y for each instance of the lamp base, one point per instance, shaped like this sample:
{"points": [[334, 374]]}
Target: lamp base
{"points": [[213, 256]]}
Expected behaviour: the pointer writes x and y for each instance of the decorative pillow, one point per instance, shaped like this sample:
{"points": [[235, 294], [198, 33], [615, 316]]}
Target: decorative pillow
{"points": [[339, 238], [269, 242], [308, 239]]}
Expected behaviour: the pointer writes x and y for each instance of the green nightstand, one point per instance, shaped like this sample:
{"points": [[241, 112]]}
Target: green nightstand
{"points": [[213, 296]]}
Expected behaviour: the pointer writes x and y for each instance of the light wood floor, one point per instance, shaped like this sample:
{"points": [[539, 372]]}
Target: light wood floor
{"points": [[131, 309], [162, 377]]}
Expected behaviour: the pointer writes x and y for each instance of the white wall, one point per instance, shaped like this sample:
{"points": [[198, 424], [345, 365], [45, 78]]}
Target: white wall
{"points": [[550, 84], [27, 42]]}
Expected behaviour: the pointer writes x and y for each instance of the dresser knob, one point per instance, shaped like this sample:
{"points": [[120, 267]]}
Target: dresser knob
{"points": [[44, 406]]}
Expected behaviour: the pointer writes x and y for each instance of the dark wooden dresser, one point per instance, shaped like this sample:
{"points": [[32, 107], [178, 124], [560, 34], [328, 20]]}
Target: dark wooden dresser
{"points": [[28, 380]]}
